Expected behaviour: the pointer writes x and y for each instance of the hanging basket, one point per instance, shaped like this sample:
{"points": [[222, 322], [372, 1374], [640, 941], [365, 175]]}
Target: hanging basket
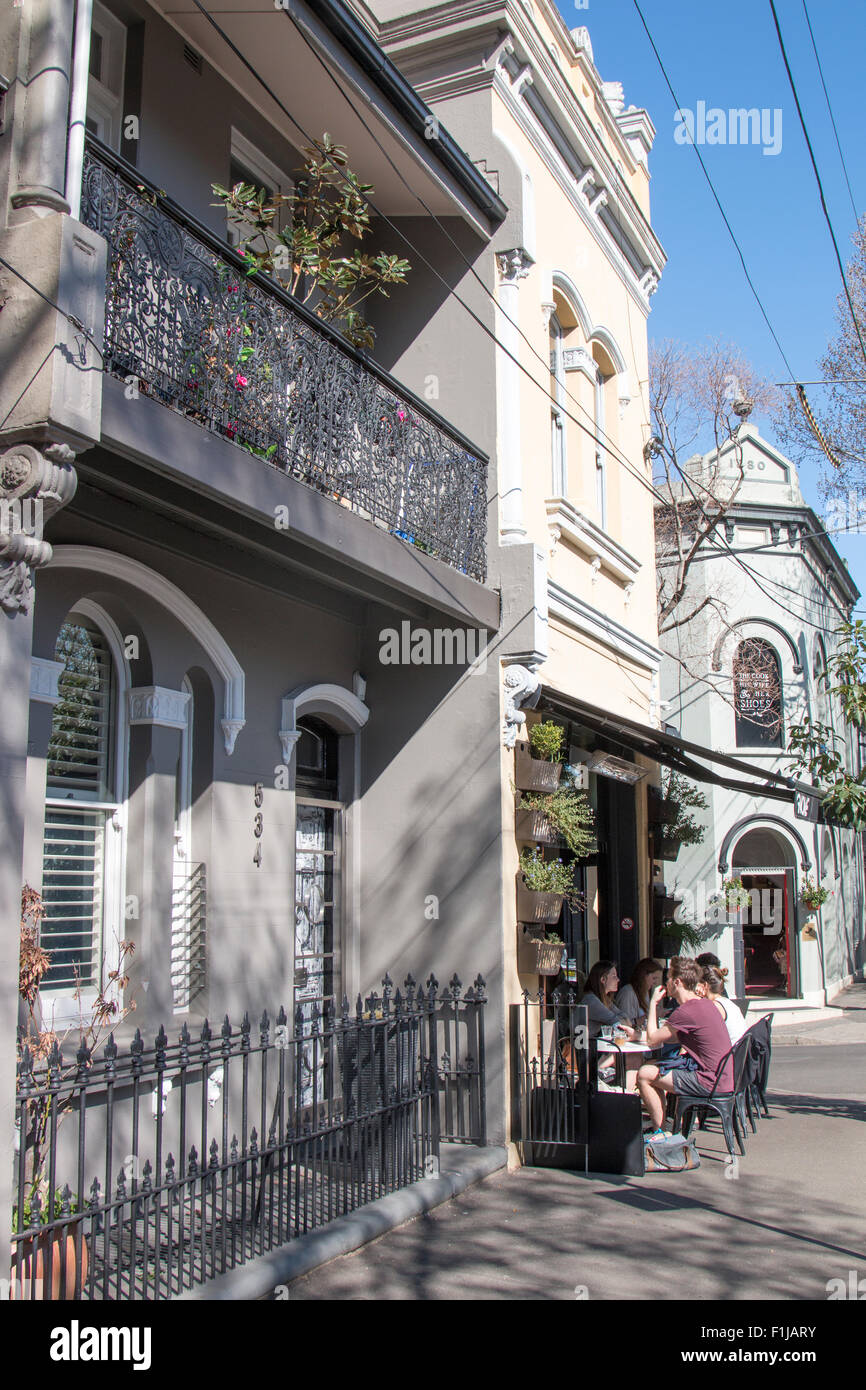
{"points": [[535, 774], [534, 825], [538, 907]]}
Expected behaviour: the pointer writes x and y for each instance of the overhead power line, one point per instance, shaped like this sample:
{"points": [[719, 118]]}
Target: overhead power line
{"points": [[830, 109], [817, 179], [717, 199]]}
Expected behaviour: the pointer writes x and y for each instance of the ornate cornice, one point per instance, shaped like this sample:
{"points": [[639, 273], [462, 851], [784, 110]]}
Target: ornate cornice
{"points": [[155, 704], [33, 486]]}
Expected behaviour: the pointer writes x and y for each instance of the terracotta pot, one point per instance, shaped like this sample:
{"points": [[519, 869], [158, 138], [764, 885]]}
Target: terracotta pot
{"points": [[538, 907], [533, 825], [534, 774], [30, 1261]]}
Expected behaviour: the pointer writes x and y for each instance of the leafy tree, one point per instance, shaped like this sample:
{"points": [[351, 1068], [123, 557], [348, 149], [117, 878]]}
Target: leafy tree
{"points": [[819, 751]]}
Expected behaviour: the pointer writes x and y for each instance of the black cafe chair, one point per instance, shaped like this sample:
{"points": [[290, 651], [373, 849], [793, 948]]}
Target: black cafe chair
{"points": [[758, 1070], [722, 1103]]}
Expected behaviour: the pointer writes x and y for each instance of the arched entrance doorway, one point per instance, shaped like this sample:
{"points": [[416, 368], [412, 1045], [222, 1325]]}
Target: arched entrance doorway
{"points": [[765, 859]]}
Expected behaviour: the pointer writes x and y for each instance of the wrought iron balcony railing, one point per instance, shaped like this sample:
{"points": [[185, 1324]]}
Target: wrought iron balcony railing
{"points": [[245, 360]]}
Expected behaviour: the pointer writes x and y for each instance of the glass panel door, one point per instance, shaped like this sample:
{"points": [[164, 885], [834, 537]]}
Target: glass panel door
{"points": [[317, 842]]}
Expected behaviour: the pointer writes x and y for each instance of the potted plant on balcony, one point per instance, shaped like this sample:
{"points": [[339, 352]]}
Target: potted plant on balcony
{"points": [[43, 1112], [542, 887], [813, 895], [540, 769], [684, 829]]}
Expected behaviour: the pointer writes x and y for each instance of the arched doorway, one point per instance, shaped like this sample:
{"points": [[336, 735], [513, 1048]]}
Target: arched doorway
{"points": [[765, 859]]}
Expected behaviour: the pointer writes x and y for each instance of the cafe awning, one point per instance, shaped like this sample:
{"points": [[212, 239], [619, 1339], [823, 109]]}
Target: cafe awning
{"points": [[679, 753]]}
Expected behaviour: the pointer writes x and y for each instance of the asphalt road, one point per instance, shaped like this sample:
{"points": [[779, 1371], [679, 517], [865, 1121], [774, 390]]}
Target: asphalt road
{"points": [[785, 1222], [821, 1071]]}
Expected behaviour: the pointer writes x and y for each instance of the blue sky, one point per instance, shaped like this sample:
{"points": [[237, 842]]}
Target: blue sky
{"points": [[727, 56]]}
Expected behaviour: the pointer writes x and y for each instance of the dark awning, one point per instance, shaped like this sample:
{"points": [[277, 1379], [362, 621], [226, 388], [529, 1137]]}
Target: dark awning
{"points": [[675, 752]]}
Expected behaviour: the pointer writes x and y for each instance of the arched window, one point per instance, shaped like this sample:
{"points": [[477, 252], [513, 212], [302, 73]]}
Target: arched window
{"points": [[84, 791], [757, 694], [821, 684], [604, 373], [557, 413]]}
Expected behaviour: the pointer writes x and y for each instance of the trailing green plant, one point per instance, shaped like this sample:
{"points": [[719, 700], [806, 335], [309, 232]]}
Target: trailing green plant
{"points": [[546, 740], [542, 875], [813, 895], [328, 207], [818, 750], [684, 829], [570, 814]]}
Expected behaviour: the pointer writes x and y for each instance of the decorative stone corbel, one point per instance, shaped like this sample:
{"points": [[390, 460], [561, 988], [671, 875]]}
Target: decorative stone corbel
{"points": [[548, 307], [586, 178], [596, 568], [599, 201], [522, 687], [33, 486], [627, 592], [513, 265], [649, 283]]}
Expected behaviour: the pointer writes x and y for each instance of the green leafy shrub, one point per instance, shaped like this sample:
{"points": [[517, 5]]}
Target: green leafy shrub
{"points": [[569, 812], [546, 740]]}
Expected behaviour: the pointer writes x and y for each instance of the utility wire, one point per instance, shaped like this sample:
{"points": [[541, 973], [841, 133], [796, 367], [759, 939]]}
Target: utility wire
{"points": [[832, 117], [716, 198], [70, 318], [818, 180]]}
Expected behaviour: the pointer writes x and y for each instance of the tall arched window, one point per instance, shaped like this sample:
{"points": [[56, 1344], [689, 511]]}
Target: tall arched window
{"points": [[757, 694], [557, 413], [84, 792]]}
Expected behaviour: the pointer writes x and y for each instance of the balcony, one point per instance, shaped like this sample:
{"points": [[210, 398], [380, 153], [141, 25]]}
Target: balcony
{"points": [[187, 327]]}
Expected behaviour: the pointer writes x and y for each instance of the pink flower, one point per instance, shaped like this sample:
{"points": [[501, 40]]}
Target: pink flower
{"points": [[401, 415], [230, 431], [241, 381]]}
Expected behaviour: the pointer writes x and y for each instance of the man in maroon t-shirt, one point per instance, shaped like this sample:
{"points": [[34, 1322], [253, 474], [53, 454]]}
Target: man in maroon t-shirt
{"points": [[699, 1028]]}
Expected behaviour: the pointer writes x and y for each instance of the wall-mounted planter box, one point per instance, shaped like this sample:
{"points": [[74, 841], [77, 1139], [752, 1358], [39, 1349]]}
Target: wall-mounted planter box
{"points": [[661, 810], [538, 907], [533, 825], [548, 957], [665, 847], [534, 774]]}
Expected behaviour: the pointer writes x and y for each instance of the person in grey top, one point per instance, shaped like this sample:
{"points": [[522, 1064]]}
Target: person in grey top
{"points": [[598, 995], [633, 999]]}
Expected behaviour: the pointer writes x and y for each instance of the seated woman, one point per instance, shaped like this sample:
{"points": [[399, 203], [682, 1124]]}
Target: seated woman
{"points": [[601, 985], [598, 996], [633, 998], [712, 986]]}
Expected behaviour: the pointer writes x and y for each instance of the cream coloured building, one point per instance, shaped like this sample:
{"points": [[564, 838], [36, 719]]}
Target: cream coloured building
{"points": [[573, 268]]}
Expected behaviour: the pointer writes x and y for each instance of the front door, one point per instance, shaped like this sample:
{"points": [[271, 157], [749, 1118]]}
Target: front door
{"points": [[769, 935]]}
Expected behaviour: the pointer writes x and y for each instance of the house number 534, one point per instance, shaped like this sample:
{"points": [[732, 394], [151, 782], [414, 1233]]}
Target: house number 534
{"points": [[258, 823]]}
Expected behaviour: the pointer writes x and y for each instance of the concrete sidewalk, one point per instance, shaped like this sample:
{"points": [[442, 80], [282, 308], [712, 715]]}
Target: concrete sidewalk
{"points": [[846, 1023], [780, 1225]]}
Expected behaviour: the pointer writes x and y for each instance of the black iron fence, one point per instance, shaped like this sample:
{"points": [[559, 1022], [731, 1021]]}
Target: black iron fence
{"points": [[186, 325], [551, 1078], [144, 1172]]}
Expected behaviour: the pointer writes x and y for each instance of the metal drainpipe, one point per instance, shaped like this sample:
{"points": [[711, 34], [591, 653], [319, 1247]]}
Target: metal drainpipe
{"points": [[78, 104]]}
